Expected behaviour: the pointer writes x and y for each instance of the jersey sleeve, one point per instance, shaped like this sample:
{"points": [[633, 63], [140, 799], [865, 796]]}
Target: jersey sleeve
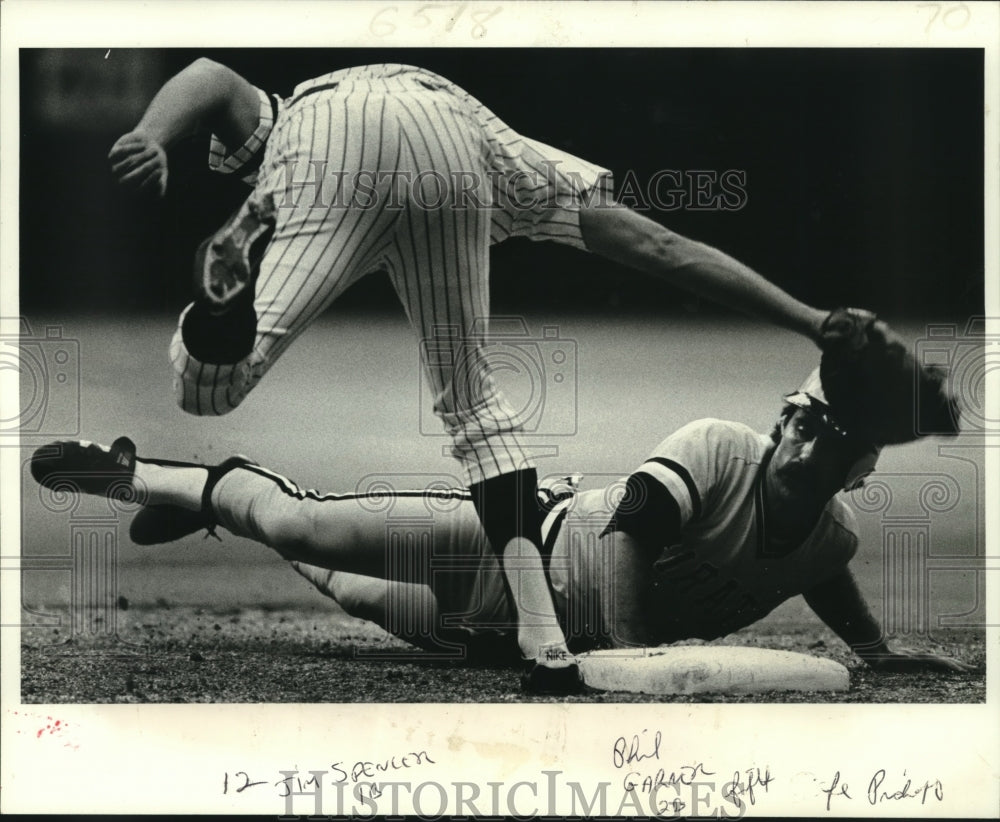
{"points": [[668, 490], [245, 159], [836, 541], [691, 461]]}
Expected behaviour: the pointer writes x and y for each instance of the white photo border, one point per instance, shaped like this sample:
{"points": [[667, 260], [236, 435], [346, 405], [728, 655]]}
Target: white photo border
{"points": [[171, 758]]}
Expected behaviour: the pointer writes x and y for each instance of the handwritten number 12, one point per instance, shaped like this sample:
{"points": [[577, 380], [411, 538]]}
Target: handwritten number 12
{"points": [[246, 782]]}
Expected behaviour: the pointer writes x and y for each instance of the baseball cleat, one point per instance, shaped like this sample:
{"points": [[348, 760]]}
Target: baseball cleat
{"points": [[87, 468], [227, 263], [540, 678], [156, 524]]}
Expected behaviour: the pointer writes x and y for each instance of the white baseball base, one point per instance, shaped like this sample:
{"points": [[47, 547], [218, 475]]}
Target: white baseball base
{"points": [[697, 669]]}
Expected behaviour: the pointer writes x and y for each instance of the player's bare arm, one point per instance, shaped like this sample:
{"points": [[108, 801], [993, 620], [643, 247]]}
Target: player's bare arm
{"points": [[841, 605], [205, 96], [629, 238]]}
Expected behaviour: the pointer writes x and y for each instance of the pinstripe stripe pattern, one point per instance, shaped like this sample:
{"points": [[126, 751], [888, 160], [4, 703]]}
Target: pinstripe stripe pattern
{"points": [[407, 129]]}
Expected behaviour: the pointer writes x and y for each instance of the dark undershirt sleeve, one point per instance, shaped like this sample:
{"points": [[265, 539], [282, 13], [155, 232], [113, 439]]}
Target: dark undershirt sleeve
{"points": [[647, 512]]}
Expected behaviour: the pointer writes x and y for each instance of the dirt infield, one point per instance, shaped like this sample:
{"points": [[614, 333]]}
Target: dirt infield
{"points": [[178, 654]]}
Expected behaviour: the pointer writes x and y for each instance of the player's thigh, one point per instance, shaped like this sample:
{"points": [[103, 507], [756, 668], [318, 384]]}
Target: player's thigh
{"points": [[399, 607], [439, 267], [413, 536], [334, 211]]}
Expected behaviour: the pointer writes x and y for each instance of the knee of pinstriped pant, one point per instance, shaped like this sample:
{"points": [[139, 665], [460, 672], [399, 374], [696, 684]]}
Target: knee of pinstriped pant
{"points": [[486, 447]]}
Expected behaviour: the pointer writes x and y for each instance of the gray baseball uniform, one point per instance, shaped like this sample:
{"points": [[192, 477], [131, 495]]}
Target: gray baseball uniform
{"points": [[439, 571]]}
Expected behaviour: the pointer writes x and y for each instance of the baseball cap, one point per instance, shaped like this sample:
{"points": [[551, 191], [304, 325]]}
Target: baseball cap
{"points": [[810, 396]]}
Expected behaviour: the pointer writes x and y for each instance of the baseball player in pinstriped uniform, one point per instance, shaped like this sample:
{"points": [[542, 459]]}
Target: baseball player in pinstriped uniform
{"points": [[717, 527], [347, 177]]}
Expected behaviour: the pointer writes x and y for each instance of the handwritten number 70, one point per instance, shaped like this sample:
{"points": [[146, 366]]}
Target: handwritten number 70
{"points": [[385, 20], [955, 16]]}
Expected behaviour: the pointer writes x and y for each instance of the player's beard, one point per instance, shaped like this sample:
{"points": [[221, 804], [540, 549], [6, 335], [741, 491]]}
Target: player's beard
{"points": [[798, 479]]}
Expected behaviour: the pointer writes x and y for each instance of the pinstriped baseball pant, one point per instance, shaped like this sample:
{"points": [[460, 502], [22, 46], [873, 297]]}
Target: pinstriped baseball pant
{"points": [[417, 178]]}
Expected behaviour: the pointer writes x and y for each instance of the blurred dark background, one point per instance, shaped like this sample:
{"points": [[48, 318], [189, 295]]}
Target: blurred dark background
{"points": [[864, 170]]}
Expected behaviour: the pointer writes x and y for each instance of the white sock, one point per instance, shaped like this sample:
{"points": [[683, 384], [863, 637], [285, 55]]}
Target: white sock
{"points": [[171, 484]]}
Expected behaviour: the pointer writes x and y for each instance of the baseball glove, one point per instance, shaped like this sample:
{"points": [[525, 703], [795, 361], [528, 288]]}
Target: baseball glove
{"points": [[874, 385]]}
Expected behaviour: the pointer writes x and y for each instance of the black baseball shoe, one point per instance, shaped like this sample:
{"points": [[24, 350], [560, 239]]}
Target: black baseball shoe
{"points": [[543, 679], [540, 676], [156, 524], [85, 467]]}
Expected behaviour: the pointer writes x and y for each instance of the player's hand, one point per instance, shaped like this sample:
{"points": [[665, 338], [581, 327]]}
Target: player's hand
{"points": [[913, 663], [139, 163]]}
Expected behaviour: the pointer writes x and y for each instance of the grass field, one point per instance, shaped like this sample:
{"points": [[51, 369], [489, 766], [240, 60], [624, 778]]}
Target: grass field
{"points": [[207, 621]]}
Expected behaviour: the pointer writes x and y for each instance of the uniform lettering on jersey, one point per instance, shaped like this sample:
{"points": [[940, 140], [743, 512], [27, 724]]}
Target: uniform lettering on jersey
{"points": [[692, 599]]}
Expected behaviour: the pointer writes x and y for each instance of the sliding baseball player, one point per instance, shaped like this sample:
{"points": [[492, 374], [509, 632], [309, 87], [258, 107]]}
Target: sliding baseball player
{"points": [[716, 528]]}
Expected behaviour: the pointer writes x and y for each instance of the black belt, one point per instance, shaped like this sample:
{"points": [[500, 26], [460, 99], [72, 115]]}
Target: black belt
{"points": [[553, 535], [314, 90]]}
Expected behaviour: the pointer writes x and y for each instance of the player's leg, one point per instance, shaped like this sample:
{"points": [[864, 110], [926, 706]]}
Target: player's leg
{"points": [[439, 266], [414, 562], [389, 534], [396, 535], [329, 227], [411, 612], [401, 608]]}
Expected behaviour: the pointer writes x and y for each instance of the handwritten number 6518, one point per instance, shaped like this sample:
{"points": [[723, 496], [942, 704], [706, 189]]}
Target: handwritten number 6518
{"points": [[955, 16], [386, 20]]}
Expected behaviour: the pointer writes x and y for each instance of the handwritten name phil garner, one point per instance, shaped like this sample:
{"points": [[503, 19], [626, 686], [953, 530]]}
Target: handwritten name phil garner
{"points": [[639, 756]]}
